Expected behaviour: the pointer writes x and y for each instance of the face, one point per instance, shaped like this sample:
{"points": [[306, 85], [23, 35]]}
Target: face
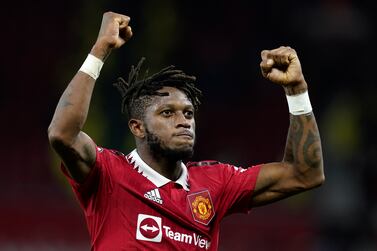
{"points": [[170, 125]]}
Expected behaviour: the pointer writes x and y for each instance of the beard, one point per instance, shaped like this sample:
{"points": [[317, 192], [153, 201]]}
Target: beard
{"points": [[160, 150]]}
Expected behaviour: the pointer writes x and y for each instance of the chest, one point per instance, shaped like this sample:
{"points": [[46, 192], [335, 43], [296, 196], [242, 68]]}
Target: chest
{"points": [[164, 214], [196, 206]]}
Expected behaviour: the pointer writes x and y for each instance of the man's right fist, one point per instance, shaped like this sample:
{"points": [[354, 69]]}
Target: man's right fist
{"points": [[114, 32]]}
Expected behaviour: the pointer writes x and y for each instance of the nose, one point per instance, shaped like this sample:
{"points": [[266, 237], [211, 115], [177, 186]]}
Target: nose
{"points": [[182, 121]]}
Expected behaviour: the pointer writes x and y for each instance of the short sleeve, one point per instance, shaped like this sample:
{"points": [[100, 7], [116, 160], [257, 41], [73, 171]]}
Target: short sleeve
{"points": [[239, 187], [97, 182]]}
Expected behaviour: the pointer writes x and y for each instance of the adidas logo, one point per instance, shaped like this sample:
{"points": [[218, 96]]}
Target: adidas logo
{"points": [[154, 195]]}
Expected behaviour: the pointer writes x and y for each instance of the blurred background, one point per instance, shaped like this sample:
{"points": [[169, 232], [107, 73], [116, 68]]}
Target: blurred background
{"points": [[243, 119]]}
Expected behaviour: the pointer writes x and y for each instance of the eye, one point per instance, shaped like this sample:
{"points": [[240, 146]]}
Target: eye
{"points": [[166, 113], [189, 114]]}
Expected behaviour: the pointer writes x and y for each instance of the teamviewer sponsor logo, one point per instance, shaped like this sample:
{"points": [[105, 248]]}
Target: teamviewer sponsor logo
{"points": [[148, 228], [192, 239], [154, 195]]}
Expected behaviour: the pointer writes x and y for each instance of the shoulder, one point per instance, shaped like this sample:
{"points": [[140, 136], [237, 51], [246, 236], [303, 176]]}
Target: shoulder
{"points": [[110, 152], [105, 155], [208, 167], [203, 163], [214, 166]]}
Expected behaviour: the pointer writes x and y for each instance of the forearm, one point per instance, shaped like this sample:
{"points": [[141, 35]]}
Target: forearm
{"points": [[303, 147], [71, 112], [302, 166], [72, 109]]}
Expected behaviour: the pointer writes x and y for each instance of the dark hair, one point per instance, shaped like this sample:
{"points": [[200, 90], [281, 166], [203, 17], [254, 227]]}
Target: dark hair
{"points": [[137, 94]]}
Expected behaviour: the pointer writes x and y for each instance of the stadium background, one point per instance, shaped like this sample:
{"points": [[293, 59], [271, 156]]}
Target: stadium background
{"points": [[243, 119]]}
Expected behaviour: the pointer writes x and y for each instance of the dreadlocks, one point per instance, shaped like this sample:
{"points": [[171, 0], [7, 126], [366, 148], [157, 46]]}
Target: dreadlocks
{"points": [[138, 94]]}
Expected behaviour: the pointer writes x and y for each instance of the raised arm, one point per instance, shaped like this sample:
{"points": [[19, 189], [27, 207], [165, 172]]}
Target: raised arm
{"points": [[302, 166], [65, 134]]}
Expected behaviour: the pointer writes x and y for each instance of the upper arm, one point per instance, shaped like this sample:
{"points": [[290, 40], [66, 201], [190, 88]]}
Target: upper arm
{"points": [[78, 156], [277, 181]]}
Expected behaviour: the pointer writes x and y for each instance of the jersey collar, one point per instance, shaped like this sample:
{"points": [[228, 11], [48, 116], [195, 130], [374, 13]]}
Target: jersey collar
{"points": [[153, 176]]}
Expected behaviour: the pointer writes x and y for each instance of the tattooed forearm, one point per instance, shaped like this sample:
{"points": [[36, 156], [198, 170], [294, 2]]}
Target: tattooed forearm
{"points": [[303, 144], [312, 149], [295, 135]]}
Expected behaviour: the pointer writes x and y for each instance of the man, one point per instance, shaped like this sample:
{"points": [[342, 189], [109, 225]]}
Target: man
{"points": [[149, 199]]}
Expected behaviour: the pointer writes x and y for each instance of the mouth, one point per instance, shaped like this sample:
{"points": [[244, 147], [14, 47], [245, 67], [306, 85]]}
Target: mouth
{"points": [[185, 134]]}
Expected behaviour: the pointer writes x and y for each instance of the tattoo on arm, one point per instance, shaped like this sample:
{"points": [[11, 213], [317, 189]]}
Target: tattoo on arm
{"points": [[64, 103], [303, 144], [65, 99], [312, 149]]}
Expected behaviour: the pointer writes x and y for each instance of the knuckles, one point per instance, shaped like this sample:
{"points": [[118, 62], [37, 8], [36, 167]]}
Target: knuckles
{"points": [[280, 56], [113, 15], [108, 14], [282, 51]]}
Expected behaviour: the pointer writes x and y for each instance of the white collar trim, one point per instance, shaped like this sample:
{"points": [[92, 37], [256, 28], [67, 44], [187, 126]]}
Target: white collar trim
{"points": [[153, 176]]}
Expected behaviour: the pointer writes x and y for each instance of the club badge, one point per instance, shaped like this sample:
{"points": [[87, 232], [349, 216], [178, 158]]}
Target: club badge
{"points": [[201, 206]]}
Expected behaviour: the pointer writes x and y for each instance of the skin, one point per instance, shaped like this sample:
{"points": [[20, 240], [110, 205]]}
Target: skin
{"points": [[302, 166], [171, 119], [75, 148]]}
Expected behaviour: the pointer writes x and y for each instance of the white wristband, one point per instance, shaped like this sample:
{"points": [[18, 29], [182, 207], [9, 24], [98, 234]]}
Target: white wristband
{"points": [[92, 66], [299, 104]]}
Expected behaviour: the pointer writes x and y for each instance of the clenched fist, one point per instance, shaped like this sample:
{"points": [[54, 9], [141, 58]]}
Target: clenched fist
{"points": [[282, 66], [114, 32]]}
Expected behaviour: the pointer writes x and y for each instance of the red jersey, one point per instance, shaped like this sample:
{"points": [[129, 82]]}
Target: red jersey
{"points": [[129, 206]]}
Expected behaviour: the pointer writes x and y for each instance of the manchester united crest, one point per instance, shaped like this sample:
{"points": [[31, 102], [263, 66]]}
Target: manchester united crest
{"points": [[201, 206]]}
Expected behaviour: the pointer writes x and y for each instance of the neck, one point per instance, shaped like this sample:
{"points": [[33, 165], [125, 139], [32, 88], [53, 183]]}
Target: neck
{"points": [[168, 168]]}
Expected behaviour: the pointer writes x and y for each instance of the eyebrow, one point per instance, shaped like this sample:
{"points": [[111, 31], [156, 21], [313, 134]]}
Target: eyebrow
{"points": [[169, 105]]}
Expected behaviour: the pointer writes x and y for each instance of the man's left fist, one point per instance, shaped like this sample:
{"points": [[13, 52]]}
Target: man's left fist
{"points": [[282, 66]]}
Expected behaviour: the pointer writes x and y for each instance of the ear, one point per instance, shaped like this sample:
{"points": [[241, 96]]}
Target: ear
{"points": [[137, 128]]}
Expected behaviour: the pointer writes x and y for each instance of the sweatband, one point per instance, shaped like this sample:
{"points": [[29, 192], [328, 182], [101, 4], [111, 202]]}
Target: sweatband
{"points": [[92, 66], [299, 104]]}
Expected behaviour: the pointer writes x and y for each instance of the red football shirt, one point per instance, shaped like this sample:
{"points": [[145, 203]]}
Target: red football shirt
{"points": [[129, 206]]}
